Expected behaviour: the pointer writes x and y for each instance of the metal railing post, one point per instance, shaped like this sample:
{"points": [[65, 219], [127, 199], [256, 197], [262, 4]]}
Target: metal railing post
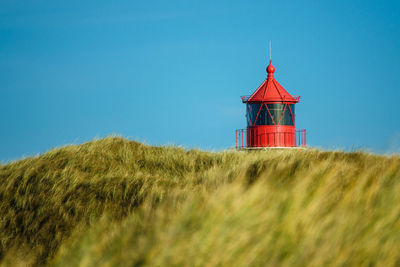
{"points": [[299, 139], [302, 137], [305, 137], [248, 138], [242, 138], [236, 144]]}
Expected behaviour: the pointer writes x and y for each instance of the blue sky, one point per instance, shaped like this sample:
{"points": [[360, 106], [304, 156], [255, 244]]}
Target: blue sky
{"points": [[172, 72]]}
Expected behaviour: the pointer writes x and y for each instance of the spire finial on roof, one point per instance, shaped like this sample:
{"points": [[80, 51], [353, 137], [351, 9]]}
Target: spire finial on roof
{"points": [[270, 53], [270, 70]]}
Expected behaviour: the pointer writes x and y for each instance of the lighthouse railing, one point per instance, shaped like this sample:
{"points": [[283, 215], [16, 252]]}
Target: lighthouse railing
{"points": [[243, 139], [240, 138], [301, 139], [245, 98]]}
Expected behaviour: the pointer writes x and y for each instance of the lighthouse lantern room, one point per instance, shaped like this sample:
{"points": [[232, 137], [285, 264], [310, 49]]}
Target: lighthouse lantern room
{"points": [[271, 117]]}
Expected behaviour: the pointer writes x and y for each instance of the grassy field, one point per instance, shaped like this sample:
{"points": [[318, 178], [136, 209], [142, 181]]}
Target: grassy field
{"points": [[116, 202]]}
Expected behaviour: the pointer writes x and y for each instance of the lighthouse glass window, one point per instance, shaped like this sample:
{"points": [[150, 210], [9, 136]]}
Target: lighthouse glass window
{"points": [[282, 113], [279, 114], [252, 111]]}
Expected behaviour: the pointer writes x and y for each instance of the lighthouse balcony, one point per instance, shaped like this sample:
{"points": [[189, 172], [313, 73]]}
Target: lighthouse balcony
{"points": [[245, 98], [270, 137]]}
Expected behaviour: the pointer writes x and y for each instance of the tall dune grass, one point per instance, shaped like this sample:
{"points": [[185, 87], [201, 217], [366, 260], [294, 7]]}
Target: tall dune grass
{"points": [[116, 202]]}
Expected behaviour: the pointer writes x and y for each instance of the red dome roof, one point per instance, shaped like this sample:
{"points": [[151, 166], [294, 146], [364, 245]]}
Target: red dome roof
{"points": [[271, 91]]}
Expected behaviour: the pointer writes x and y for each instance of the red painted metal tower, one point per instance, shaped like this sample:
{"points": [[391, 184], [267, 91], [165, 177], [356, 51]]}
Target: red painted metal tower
{"points": [[271, 117]]}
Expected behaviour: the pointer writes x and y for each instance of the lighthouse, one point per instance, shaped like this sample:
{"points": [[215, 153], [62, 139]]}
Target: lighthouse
{"points": [[271, 118]]}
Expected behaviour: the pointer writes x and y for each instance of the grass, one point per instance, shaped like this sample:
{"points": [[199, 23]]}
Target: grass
{"points": [[116, 202]]}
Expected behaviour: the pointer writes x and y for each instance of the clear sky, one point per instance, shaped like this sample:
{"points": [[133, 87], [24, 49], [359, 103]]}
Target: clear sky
{"points": [[172, 72]]}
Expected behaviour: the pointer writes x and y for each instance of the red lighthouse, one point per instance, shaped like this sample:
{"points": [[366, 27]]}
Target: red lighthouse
{"points": [[271, 117]]}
